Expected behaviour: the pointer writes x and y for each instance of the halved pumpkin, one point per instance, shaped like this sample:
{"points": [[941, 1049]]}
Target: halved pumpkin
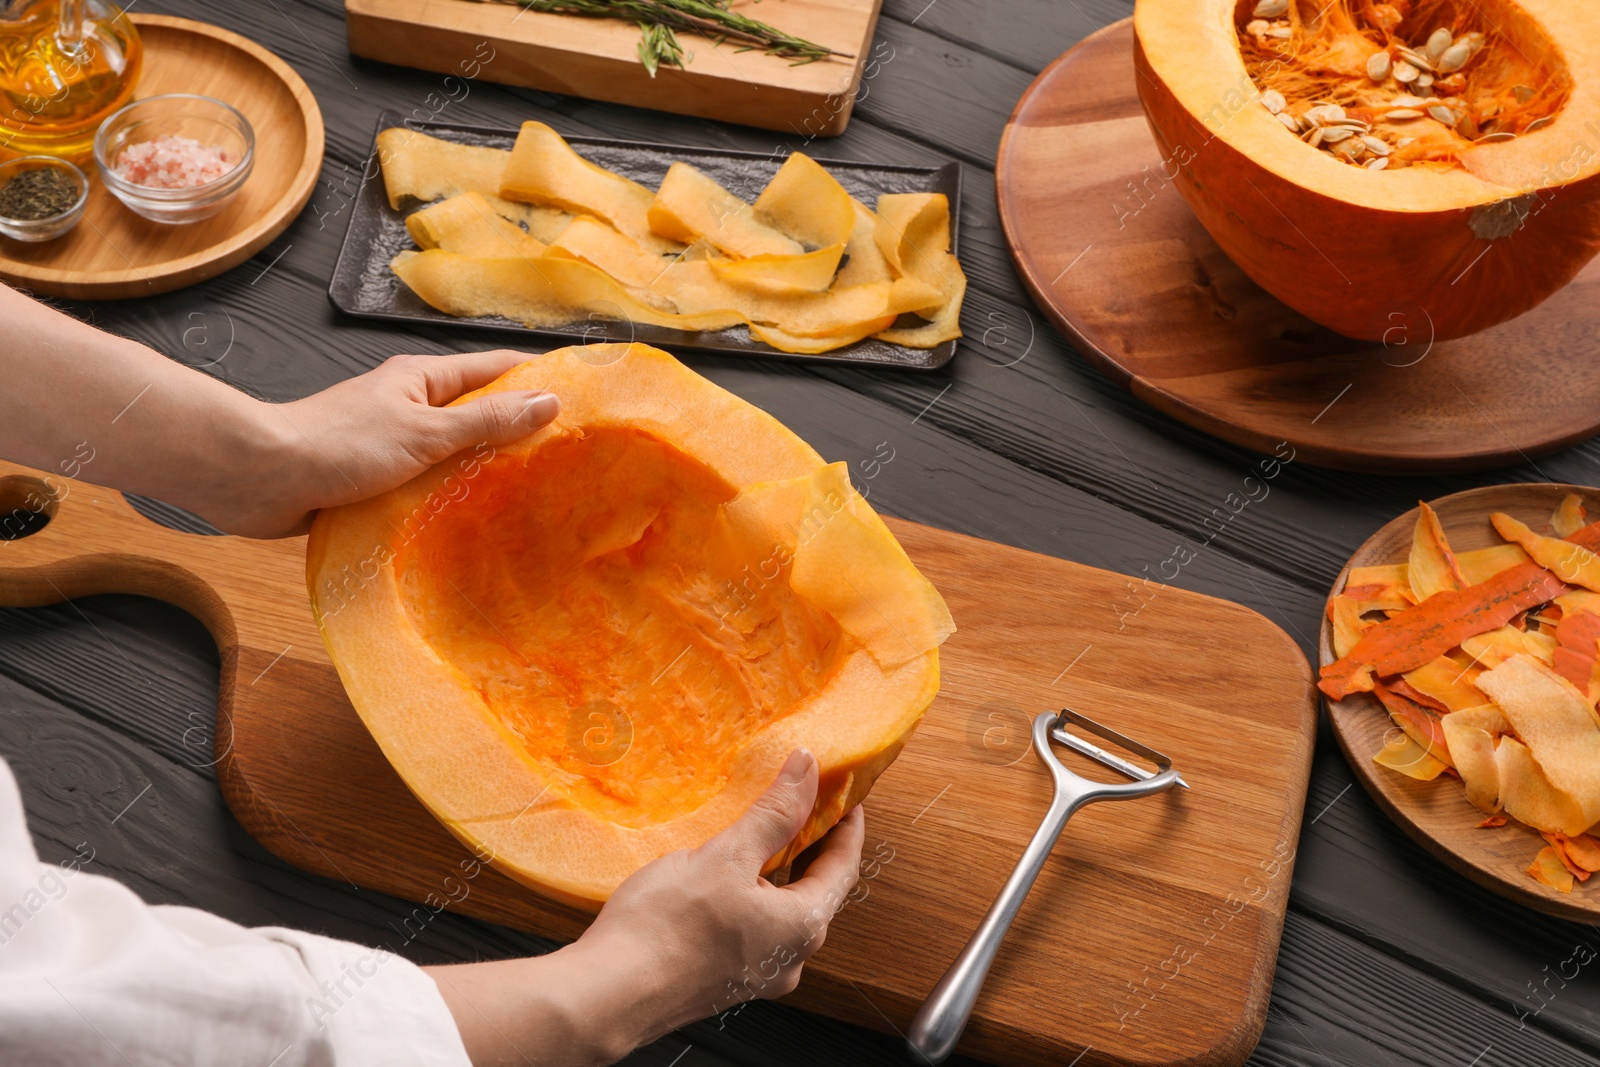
{"points": [[1397, 171], [598, 645]]}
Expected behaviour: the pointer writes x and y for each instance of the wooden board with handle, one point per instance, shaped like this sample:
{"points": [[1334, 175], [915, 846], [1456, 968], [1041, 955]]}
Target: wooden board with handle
{"points": [[598, 58], [1150, 937]]}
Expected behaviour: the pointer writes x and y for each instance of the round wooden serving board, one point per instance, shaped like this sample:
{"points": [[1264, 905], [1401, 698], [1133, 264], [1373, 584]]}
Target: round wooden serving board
{"points": [[1437, 814], [1113, 255], [113, 253]]}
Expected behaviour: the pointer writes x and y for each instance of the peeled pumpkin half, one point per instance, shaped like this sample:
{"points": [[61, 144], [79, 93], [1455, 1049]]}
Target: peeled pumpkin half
{"points": [[597, 646], [1446, 190]]}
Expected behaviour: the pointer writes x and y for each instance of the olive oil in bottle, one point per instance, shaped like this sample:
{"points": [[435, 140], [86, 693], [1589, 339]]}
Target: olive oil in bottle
{"points": [[65, 67]]}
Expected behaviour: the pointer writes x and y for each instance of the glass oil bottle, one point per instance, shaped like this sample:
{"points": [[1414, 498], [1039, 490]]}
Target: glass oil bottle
{"points": [[65, 67]]}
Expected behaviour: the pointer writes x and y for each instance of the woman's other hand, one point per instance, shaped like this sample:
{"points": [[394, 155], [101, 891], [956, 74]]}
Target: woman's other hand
{"points": [[689, 935], [371, 433], [724, 934]]}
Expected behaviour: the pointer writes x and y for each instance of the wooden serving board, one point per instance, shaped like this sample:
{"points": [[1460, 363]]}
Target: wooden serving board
{"points": [[1150, 938], [1112, 254], [1437, 814], [599, 58], [113, 253]]}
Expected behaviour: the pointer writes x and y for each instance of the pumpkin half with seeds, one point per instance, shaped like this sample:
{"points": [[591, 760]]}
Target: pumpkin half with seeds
{"points": [[1396, 171], [598, 645]]}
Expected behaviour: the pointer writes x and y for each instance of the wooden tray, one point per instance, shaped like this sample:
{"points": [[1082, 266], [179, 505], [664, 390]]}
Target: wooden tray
{"points": [[599, 58], [1437, 814], [114, 253], [1117, 261], [364, 285], [1150, 937]]}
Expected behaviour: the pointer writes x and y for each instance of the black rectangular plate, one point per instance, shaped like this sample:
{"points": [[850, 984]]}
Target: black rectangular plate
{"points": [[364, 286]]}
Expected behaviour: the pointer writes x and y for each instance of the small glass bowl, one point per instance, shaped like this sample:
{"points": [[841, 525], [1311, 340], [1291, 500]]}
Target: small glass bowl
{"points": [[203, 118], [53, 226]]}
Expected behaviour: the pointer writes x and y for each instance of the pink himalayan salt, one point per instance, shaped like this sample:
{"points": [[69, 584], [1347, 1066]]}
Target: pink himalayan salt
{"points": [[170, 162]]}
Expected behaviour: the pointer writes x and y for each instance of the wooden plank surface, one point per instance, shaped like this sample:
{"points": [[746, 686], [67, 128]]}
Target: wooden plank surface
{"points": [[1211, 865], [1388, 957]]}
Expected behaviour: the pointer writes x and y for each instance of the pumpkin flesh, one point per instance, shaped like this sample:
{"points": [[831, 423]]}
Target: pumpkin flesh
{"points": [[598, 645], [595, 616]]}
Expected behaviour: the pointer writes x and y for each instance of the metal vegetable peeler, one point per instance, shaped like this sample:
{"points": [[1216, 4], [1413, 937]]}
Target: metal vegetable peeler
{"points": [[943, 1016]]}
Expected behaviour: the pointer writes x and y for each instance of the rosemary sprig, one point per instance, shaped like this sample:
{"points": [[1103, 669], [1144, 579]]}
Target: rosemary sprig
{"points": [[657, 45], [660, 21]]}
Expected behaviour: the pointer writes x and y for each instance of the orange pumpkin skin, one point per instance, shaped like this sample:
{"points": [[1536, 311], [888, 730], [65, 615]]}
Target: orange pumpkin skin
{"points": [[598, 645], [1402, 257]]}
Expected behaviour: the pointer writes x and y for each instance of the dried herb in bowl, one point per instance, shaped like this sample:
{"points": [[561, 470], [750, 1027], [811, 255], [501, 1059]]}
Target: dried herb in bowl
{"points": [[37, 194]]}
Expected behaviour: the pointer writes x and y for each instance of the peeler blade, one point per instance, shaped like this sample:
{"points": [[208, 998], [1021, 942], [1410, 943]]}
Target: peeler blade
{"points": [[1060, 733]]}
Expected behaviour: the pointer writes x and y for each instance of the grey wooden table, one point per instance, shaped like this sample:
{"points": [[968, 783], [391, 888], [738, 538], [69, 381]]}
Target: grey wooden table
{"points": [[1388, 957]]}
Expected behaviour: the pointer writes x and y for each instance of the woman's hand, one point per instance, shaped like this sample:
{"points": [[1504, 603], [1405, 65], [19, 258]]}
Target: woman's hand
{"points": [[689, 935], [109, 410], [720, 933], [371, 433]]}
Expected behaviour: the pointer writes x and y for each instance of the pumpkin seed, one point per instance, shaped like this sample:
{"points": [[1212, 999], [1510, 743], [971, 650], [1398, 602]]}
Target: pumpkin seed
{"points": [[1490, 138], [1317, 134], [1256, 27], [1443, 114], [1523, 93], [1403, 114], [1424, 81], [1323, 114], [1271, 9], [1407, 100], [1474, 41], [1273, 101], [1439, 40], [1405, 141], [1335, 134], [1289, 121], [1357, 125], [1377, 163], [1281, 33], [1539, 123], [1405, 73], [1378, 66], [1455, 57], [1376, 145], [1415, 58]]}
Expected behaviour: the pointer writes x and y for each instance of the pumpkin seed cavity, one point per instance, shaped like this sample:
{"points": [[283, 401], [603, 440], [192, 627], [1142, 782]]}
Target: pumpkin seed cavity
{"points": [[1399, 84]]}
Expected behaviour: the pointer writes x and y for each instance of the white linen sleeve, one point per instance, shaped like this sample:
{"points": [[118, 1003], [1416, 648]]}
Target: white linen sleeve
{"points": [[91, 975]]}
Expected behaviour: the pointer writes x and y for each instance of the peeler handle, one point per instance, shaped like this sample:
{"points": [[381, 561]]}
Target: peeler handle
{"points": [[940, 1021], [943, 1016]]}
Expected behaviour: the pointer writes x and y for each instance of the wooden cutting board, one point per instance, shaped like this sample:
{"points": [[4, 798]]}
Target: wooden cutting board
{"points": [[599, 59], [1150, 937]]}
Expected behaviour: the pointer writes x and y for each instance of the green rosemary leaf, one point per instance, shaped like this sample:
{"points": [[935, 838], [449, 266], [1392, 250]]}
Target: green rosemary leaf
{"points": [[660, 21]]}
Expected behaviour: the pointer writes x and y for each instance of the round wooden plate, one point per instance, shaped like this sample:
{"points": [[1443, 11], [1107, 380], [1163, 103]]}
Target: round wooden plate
{"points": [[1117, 261], [1437, 813], [114, 253]]}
